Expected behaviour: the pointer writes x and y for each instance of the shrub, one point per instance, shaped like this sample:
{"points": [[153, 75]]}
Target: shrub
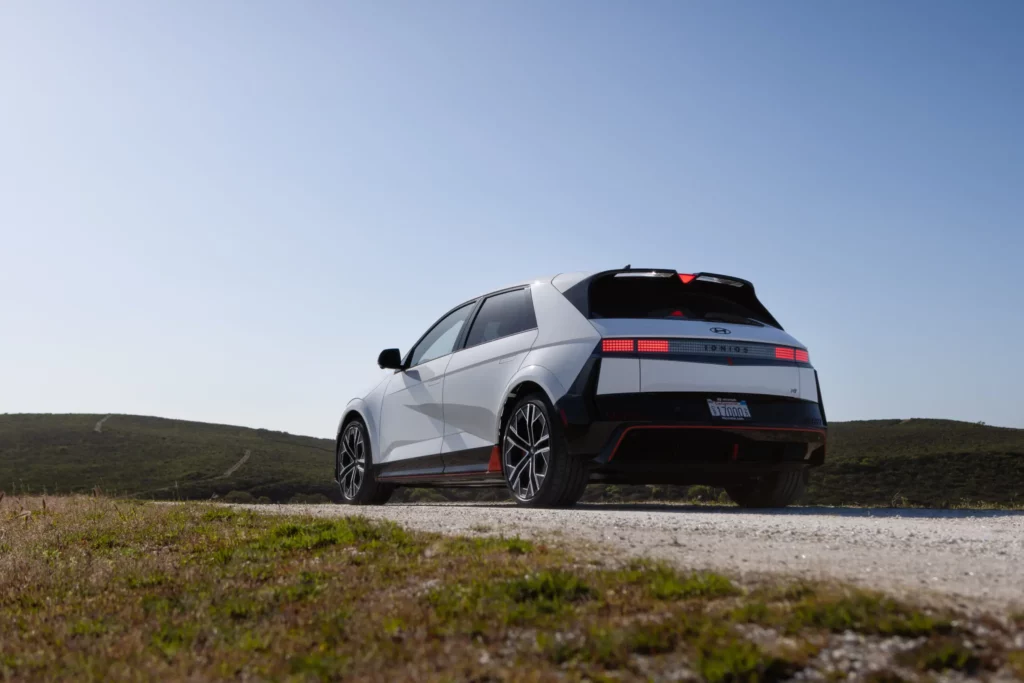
{"points": [[239, 497], [309, 499], [425, 496], [703, 494]]}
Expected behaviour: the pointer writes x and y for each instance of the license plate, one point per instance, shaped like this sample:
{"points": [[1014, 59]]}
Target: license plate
{"points": [[729, 409]]}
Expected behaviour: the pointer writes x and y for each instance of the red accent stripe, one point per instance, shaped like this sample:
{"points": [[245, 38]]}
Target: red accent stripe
{"points": [[495, 464], [627, 430]]}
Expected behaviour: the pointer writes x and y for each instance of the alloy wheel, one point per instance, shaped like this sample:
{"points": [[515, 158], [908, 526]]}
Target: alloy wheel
{"points": [[351, 461], [527, 451]]}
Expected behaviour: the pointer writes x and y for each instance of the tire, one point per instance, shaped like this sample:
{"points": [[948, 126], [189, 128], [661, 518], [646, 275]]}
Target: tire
{"points": [[358, 487], [535, 462], [776, 490]]}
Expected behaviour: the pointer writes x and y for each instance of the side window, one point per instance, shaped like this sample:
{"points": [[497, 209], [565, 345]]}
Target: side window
{"points": [[440, 341], [502, 315]]}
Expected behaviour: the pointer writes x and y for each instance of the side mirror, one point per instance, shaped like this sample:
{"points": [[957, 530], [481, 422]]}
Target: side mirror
{"points": [[390, 359]]}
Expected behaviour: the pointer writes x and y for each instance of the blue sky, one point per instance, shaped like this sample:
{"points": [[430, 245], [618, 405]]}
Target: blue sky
{"points": [[223, 211]]}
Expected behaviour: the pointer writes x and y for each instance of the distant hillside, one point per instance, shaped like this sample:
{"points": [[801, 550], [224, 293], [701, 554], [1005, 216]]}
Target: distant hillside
{"points": [[878, 462], [926, 462], [158, 458]]}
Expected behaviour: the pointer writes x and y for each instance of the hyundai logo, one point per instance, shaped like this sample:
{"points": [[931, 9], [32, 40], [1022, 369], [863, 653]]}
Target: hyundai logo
{"points": [[720, 330]]}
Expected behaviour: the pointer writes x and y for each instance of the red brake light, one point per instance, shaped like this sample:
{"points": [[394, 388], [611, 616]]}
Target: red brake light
{"points": [[677, 314], [686, 278], [802, 356], [652, 345], [617, 345], [783, 353]]}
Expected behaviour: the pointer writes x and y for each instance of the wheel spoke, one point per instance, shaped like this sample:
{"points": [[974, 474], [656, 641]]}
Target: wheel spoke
{"points": [[517, 471], [542, 454], [511, 435], [530, 481]]}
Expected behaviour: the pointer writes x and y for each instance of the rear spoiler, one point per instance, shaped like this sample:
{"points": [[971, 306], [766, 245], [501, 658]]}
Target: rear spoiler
{"points": [[742, 291]]}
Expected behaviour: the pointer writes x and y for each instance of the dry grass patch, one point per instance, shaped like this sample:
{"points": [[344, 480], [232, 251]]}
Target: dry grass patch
{"points": [[93, 588]]}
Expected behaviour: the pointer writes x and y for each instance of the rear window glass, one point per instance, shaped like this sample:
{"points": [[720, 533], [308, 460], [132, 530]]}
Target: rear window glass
{"points": [[668, 297]]}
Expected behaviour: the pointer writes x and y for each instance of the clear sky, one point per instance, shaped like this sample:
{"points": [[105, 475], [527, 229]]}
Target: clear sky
{"points": [[222, 211]]}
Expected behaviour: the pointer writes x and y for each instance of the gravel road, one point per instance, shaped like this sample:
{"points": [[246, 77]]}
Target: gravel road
{"points": [[974, 557]]}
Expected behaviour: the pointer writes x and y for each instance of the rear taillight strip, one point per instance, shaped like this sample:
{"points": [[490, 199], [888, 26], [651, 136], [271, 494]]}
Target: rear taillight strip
{"points": [[618, 345], [705, 348], [652, 345]]}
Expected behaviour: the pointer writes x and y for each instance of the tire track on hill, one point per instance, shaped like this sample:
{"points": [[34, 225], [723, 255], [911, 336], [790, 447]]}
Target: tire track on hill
{"points": [[220, 477], [99, 425], [234, 468]]}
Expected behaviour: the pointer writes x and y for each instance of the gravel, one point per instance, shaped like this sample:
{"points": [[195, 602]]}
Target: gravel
{"points": [[976, 558]]}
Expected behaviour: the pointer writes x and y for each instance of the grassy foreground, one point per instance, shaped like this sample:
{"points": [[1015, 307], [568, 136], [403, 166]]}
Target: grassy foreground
{"points": [[94, 589]]}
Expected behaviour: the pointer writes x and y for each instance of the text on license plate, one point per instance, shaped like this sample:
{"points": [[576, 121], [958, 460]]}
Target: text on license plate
{"points": [[729, 409]]}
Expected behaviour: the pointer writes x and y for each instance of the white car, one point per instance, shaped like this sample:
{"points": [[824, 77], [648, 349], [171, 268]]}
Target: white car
{"points": [[626, 376]]}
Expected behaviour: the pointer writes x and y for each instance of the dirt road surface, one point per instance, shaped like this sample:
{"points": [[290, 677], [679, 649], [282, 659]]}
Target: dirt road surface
{"points": [[976, 558]]}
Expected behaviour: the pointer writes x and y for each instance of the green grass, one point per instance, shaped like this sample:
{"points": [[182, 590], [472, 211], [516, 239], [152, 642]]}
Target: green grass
{"points": [[943, 655], [841, 611], [200, 593], [934, 463]]}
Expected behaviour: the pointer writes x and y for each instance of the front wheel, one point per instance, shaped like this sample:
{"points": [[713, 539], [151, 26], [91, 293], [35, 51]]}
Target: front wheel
{"points": [[775, 490], [538, 469], [358, 484]]}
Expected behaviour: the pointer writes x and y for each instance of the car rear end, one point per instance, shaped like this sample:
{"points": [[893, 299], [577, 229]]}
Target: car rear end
{"points": [[693, 381]]}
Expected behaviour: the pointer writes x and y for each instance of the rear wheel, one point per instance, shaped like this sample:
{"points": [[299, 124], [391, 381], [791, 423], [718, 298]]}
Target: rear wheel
{"points": [[775, 490], [358, 484], [538, 469]]}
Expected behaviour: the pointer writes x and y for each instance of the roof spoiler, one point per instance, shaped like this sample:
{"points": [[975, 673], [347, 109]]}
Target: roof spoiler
{"points": [[741, 290]]}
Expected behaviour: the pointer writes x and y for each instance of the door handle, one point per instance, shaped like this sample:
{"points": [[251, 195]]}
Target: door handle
{"points": [[433, 383], [506, 360]]}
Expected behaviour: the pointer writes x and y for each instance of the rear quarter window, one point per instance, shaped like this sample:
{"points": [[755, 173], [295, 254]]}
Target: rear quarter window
{"points": [[502, 315]]}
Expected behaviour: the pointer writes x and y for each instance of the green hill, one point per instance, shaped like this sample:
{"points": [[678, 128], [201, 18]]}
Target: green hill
{"points": [[158, 458], [878, 462], [923, 462]]}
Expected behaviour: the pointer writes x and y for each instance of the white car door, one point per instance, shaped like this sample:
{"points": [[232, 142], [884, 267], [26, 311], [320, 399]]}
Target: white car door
{"points": [[412, 421], [499, 339]]}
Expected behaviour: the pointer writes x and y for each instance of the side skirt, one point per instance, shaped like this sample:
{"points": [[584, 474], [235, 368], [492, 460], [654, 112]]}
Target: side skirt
{"points": [[469, 467]]}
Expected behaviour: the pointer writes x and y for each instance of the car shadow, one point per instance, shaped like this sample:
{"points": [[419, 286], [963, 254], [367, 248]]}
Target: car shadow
{"points": [[798, 511], [823, 511]]}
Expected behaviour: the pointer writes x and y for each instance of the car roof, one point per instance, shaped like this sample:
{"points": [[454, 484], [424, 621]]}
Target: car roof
{"points": [[523, 283]]}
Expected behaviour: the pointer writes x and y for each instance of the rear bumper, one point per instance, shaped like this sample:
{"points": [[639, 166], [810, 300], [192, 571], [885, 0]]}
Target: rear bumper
{"points": [[672, 438]]}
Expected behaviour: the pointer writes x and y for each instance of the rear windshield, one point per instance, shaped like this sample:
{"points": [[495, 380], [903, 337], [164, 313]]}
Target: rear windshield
{"points": [[668, 297]]}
